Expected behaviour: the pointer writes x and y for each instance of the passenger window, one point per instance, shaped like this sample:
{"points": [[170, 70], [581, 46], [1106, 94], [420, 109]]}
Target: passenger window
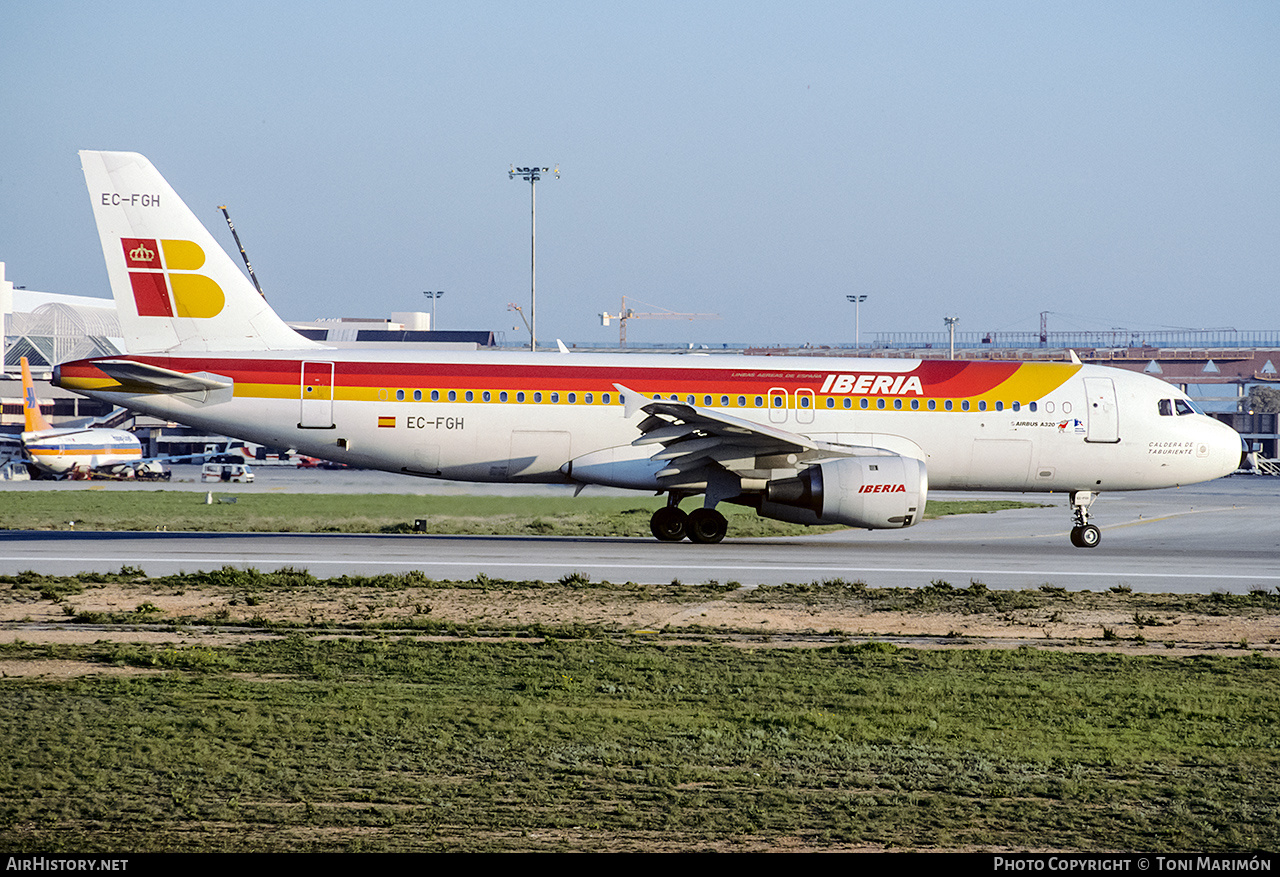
{"points": [[1032, 406], [399, 395], [848, 403], [470, 396], [555, 397], [964, 406], [573, 397], [486, 397], [435, 395], [759, 401], [588, 398], [537, 397], [605, 398], [831, 403], [453, 395], [417, 395], [502, 397], [520, 396]]}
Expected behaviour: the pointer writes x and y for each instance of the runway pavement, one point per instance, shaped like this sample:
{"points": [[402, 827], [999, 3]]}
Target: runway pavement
{"points": [[1220, 536]]}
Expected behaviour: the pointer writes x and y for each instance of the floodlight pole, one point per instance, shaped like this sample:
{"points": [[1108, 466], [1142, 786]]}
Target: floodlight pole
{"points": [[857, 318], [433, 295], [951, 331], [532, 175]]}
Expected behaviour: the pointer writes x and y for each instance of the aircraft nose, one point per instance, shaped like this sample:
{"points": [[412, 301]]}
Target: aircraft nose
{"points": [[1226, 449]]}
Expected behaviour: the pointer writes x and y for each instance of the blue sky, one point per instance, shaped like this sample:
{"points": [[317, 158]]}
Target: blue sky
{"points": [[1115, 163]]}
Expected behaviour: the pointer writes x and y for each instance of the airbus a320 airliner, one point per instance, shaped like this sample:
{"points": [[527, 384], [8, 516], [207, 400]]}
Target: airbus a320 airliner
{"points": [[811, 440]]}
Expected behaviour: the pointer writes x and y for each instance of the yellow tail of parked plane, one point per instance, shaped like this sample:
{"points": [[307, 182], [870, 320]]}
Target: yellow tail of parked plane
{"points": [[812, 440], [33, 420]]}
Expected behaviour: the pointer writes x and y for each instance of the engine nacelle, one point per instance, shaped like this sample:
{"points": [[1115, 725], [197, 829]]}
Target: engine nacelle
{"points": [[875, 493]]}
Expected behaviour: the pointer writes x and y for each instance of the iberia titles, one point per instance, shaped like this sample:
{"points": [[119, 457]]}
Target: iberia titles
{"points": [[873, 385]]}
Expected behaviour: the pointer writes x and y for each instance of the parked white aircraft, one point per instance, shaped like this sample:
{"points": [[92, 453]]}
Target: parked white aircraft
{"points": [[72, 449], [817, 441]]}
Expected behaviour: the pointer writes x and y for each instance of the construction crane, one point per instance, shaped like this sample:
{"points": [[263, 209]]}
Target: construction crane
{"points": [[627, 314], [243, 254]]}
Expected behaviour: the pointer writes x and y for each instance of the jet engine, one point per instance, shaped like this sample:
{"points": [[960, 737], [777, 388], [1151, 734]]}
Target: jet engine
{"points": [[875, 493]]}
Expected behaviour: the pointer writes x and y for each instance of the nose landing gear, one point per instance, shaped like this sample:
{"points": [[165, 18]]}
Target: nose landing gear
{"points": [[1083, 534]]}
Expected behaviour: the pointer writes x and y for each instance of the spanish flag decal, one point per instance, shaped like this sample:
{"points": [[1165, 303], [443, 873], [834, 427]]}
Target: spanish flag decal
{"points": [[386, 422]]}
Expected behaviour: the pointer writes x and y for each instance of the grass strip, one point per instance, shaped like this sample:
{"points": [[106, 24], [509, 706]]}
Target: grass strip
{"points": [[394, 744], [177, 510]]}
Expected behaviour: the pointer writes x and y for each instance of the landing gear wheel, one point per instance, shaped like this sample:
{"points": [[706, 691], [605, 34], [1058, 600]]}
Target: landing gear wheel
{"points": [[669, 524], [1087, 536], [707, 526]]}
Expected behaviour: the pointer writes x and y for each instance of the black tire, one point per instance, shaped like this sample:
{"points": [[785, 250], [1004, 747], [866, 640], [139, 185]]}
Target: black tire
{"points": [[1075, 537], [669, 524], [707, 526]]}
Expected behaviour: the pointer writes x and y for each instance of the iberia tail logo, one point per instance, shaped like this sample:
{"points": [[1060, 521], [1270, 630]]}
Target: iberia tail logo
{"points": [[164, 281]]}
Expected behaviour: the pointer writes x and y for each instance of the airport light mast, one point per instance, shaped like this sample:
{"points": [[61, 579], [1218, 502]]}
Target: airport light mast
{"points": [[857, 318], [433, 295], [532, 175], [951, 332]]}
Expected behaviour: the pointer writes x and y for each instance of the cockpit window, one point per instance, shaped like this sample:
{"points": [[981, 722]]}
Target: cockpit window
{"points": [[1166, 407], [1182, 406]]}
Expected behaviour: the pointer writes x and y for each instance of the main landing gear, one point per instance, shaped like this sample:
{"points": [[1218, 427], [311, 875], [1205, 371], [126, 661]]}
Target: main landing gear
{"points": [[670, 524], [1083, 534]]}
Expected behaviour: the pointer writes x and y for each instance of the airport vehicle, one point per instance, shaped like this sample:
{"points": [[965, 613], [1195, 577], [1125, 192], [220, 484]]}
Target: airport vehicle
{"points": [[73, 451], [812, 440], [238, 472]]}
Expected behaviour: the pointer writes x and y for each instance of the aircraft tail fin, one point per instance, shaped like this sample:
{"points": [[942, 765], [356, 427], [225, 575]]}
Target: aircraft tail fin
{"points": [[33, 420], [175, 287]]}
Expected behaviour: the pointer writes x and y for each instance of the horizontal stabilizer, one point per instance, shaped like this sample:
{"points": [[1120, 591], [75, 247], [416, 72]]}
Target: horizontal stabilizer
{"points": [[154, 379]]}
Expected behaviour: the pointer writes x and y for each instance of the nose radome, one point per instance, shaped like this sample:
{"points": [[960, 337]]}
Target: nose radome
{"points": [[1225, 449]]}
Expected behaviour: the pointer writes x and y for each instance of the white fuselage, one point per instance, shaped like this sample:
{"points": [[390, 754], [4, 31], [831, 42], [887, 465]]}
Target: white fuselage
{"points": [[65, 450], [508, 417]]}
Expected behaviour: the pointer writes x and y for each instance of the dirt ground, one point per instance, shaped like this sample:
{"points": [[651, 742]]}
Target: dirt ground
{"points": [[738, 617]]}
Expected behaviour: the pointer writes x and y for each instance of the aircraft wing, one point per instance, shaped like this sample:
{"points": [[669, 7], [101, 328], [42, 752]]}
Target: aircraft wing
{"points": [[693, 438]]}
